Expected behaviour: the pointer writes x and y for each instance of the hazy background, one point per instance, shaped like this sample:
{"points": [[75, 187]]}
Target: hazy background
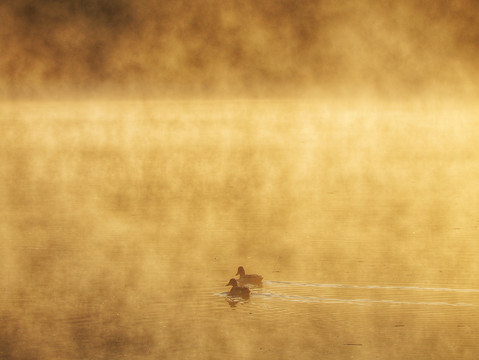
{"points": [[392, 49], [134, 180]]}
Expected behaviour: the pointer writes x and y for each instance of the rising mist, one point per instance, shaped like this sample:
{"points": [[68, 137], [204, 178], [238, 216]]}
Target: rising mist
{"points": [[238, 48]]}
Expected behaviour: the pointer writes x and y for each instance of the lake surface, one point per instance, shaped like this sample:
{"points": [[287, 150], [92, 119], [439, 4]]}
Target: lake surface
{"points": [[123, 221]]}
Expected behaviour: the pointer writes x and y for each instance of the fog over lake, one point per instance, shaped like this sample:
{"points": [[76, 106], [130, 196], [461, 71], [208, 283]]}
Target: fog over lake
{"points": [[124, 220], [150, 148]]}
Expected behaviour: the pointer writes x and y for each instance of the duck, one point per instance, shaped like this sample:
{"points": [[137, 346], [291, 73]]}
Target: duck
{"points": [[252, 279], [237, 290]]}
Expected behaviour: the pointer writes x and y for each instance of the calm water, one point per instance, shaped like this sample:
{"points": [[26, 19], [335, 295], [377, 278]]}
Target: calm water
{"points": [[122, 222]]}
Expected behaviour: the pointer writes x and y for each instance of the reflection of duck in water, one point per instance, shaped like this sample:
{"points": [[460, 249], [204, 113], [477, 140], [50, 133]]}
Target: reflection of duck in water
{"points": [[251, 279], [232, 301], [237, 291]]}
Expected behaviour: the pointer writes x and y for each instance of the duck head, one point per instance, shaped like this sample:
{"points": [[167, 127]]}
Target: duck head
{"points": [[241, 271], [232, 282]]}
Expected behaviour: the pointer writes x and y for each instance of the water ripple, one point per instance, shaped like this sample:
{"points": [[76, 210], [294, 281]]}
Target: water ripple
{"points": [[310, 299], [341, 286]]}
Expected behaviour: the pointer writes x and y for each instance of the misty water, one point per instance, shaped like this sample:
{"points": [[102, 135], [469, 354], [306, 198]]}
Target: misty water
{"points": [[123, 221]]}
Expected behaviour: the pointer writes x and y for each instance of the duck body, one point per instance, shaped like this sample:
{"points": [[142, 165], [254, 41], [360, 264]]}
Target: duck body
{"points": [[237, 291], [252, 279]]}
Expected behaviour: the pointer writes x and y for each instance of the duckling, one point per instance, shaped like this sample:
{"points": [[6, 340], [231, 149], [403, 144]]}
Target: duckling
{"points": [[237, 290], [252, 279]]}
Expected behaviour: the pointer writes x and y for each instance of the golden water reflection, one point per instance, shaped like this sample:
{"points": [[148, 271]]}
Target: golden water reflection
{"points": [[123, 221]]}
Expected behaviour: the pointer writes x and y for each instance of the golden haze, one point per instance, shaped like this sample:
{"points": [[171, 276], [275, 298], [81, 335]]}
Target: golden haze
{"points": [[391, 49]]}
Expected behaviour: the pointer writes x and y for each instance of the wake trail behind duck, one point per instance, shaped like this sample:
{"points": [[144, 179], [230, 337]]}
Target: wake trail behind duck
{"points": [[341, 286], [313, 299]]}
